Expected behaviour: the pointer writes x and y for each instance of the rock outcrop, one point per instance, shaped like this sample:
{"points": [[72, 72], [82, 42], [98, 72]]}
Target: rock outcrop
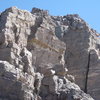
{"points": [[41, 54], [82, 55]]}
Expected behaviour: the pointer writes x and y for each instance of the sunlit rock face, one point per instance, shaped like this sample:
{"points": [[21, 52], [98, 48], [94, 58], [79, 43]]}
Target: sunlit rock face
{"points": [[43, 57]]}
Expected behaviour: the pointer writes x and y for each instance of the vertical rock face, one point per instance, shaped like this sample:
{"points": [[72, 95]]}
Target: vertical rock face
{"points": [[35, 51], [46, 48], [82, 52], [76, 38], [17, 73]]}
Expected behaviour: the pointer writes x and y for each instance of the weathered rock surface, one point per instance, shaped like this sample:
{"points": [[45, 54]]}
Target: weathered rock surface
{"points": [[41, 54], [82, 52]]}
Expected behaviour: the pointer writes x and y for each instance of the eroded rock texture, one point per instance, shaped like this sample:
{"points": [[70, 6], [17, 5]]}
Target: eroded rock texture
{"points": [[82, 52], [41, 54]]}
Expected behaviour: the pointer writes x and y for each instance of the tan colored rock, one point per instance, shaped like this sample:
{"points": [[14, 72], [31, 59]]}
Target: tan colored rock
{"points": [[32, 57], [60, 70]]}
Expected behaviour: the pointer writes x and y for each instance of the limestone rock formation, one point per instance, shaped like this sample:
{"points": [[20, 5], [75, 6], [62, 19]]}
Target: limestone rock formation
{"points": [[41, 54], [82, 55]]}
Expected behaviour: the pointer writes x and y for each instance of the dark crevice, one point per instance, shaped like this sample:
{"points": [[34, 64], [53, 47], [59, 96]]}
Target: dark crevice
{"points": [[87, 72]]}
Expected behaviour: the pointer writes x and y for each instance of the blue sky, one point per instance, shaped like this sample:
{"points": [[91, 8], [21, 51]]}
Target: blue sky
{"points": [[89, 10]]}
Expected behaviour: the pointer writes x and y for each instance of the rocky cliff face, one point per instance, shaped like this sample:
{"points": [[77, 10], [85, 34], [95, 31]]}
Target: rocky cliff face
{"points": [[82, 54], [41, 54]]}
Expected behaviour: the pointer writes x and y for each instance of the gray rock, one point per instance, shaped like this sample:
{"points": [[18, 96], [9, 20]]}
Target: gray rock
{"points": [[34, 61], [80, 41], [62, 89], [70, 78]]}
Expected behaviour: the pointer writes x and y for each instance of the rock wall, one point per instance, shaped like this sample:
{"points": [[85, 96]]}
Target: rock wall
{"points": [[82, 52], [39, 54]]}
